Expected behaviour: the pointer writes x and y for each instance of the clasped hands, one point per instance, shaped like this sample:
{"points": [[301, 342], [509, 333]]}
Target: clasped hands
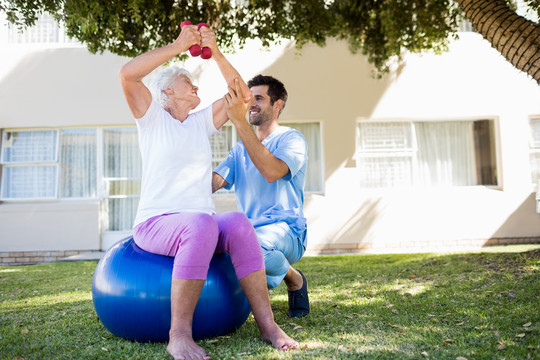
{"points": [[197, 37], [236, 104]]}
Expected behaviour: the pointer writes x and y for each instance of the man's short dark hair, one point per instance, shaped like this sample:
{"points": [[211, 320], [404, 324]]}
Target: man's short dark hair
{"points": [[276, 89]]}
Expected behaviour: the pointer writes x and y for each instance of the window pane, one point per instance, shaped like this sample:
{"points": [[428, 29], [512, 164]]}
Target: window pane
{"points": [[486, 159], [124, 187], [29, 146], [535, 150], [78, 163], [535, 133], [122, 173], [384, 154], [27, 182], [221, 143], [436, 153], [121, 213], [312, 134], [385, 171], [535, 167], [384, 136], [44, 31], [446, 153], [122, 156]]}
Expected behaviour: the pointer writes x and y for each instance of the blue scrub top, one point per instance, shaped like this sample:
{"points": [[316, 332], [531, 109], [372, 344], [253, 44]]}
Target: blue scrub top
{"points": [[266, 203]]}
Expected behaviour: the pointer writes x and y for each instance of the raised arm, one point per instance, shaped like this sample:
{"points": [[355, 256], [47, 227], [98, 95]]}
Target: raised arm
{"points": [[229, 74], [131, 74], [270, 167]]}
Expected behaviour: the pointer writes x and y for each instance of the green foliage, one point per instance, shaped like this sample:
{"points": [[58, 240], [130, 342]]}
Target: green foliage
{"points": [[534, 5], [381, 29], [408, 306]]}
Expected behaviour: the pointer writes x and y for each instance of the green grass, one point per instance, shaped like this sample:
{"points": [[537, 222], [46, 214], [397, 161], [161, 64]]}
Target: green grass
{"points": [[407, 306]]}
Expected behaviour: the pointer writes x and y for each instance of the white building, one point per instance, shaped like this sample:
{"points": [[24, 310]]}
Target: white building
{"points": [[441, 154]]}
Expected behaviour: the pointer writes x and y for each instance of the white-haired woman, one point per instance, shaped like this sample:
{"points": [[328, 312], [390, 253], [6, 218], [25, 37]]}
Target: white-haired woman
{"points": [[176, 215]]}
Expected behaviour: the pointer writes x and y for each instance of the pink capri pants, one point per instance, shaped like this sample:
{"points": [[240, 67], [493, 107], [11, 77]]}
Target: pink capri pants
{"points": [[193, 238]]}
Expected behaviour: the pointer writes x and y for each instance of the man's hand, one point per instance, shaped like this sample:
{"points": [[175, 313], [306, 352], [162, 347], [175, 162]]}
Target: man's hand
{"points": [[235, 105]]}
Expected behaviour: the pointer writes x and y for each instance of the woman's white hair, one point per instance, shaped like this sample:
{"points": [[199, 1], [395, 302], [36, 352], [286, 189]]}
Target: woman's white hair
{"points": [[165, 79]]}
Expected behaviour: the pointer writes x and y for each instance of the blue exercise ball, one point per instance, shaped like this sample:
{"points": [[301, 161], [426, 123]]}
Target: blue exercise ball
{"points": [[131, 291]]}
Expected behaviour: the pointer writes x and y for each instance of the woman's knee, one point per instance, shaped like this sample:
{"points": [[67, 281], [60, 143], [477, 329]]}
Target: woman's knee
{"points": [[203, 223], [234, 222]]}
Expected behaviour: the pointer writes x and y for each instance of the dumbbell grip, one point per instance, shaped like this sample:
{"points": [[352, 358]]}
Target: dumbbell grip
{"points": [[206, 53], [194, 50]]}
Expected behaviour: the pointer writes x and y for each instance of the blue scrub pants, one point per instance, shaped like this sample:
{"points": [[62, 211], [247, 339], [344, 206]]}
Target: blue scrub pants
{"points": [[281, 247]]}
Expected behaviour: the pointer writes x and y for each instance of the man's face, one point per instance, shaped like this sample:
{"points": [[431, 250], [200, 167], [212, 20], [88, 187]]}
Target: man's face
{"points": [[260, 111]]}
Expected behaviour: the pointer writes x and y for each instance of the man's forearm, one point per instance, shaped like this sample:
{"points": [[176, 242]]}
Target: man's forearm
{"points": [[218, 182], [270, 167]]}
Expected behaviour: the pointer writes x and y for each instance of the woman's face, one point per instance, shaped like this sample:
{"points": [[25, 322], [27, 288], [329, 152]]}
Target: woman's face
{"points": [[184, 90]]}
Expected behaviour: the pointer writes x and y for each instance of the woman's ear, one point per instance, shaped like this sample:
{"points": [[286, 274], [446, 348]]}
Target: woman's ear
{"points": [[168, 91]]}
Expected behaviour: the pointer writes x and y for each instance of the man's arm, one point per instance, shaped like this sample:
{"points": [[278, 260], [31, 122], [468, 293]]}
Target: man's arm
{"points": [[218, 182], [270, 167]]}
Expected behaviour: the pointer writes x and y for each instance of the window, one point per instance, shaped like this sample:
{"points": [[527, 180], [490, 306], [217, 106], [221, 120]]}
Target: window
{"points": [[315, 170], [223, 141], [78, 163], [71, 163], [534, 146], [122, 172], [45, 31], [35, 162], [30, 169], [423, 153]]}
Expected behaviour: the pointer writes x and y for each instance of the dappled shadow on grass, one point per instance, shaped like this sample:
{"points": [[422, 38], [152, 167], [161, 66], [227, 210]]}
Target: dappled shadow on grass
{"points": [[45, 279], [445, 306], [63, 330], [363, 306]]}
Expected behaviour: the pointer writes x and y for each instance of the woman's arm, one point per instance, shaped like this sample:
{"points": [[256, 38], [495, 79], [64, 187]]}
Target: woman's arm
{"points": [[208, 39], [131, 74]]}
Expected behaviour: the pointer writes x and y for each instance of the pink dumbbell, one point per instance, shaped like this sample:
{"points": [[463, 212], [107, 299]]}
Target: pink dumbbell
{"points": [[206, 53], [194, 50]]}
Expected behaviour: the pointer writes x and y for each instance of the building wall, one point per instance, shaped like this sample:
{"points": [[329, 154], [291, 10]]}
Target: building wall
{"points": [[471, 81], [49, 226], [70, 87]]}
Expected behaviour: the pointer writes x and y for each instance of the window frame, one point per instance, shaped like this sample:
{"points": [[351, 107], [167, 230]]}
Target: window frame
{"points": [[99, 163], [495, 121], [235, 139], [321, 140], [55, 163], [532, 148], [35, 35]]}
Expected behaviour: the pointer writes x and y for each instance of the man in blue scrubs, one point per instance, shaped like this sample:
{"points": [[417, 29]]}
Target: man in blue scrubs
{"points": [[268, 169]]}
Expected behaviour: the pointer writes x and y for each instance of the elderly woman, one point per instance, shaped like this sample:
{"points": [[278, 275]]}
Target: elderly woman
{"points": [[176, 215]]}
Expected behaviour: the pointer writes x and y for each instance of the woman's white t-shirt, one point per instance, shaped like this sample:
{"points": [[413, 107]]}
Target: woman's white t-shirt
{"points": [[177, 163]]}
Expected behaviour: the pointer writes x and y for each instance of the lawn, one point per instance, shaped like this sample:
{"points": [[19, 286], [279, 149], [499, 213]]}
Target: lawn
{"points": [[406, 306]]}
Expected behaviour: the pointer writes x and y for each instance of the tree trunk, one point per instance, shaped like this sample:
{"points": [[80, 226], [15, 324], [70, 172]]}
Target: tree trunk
{"points": [[515, 37]]}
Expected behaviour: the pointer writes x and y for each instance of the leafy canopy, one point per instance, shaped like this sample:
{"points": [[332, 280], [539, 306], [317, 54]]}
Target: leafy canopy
{"points": [[380, 29]]}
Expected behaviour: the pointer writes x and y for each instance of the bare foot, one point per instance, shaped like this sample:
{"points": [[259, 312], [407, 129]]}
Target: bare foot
{"points": [[181, 346], [277, 337]]}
